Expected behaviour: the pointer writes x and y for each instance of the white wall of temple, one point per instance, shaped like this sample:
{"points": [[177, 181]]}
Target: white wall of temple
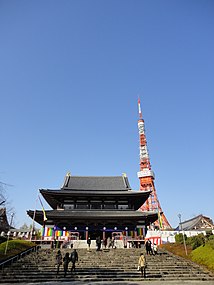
{"points": [[169, 236]]}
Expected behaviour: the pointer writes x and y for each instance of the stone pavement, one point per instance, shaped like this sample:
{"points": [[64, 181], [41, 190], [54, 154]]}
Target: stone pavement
{"points": [[143, 282]]}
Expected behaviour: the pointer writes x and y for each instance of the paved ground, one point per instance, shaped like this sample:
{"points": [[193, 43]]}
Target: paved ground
{"points": [[144, 282]]}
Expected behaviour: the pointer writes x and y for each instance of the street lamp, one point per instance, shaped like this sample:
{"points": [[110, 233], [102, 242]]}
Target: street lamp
{"points": [[181, 228], [8, 234]]}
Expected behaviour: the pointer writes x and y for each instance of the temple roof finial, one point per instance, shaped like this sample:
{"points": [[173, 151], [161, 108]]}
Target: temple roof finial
{"points": [[66, 180]]}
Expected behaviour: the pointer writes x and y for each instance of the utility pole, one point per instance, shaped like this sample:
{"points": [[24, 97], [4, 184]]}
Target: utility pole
{"points": [[179, 216], [8, 234]]}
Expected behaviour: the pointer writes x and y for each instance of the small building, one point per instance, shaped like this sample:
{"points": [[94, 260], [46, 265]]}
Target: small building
{"points": [[199, 223], [95, 205]]}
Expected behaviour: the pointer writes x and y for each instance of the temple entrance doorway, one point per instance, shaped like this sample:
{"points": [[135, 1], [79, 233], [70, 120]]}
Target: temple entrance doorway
{"points": [[108, 234], [95, 234]]}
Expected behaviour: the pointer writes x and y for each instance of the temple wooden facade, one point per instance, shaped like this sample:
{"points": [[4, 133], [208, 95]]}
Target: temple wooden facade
{"points": [[93, 205]]}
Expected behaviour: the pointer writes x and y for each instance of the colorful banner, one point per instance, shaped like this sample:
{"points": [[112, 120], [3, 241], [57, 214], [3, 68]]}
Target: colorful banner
{"points": [[140, 231]]}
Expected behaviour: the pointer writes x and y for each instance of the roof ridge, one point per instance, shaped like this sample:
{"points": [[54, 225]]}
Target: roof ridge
{"points": [[92, 176], [194, 218]]}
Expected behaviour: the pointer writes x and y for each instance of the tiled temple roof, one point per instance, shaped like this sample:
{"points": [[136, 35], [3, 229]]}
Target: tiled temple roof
{"points": [[96, 183]]}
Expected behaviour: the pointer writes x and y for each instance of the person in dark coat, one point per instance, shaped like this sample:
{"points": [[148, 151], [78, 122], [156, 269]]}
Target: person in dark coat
{"points": [[98, 242], [66, 261], [73, 259], [89, 242], [148, 247], [105, 242], [58, 261]]}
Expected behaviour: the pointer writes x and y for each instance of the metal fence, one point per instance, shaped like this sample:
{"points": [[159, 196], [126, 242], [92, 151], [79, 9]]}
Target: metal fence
{"points": [[16, 257]]}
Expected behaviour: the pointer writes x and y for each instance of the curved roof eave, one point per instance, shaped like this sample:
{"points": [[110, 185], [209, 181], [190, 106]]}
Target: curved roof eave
{"points": [[54, 197], [75, 216]]}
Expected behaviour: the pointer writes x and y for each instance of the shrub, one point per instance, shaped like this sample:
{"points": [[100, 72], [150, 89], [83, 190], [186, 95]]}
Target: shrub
{"points": [[179, 238], [196, 241], [2, 239], [209, 234], [211, 237]]}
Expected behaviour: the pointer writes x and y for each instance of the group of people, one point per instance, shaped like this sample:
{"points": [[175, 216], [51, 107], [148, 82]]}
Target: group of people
{"points": [[73, 258], [105, 243], [151, 249]]}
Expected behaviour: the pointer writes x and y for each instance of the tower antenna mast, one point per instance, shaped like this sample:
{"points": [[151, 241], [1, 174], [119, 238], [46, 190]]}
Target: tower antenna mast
{"points": [[147, 177]]}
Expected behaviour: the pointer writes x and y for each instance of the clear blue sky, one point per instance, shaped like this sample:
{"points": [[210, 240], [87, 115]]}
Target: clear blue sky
{"points": [[70, 76]]}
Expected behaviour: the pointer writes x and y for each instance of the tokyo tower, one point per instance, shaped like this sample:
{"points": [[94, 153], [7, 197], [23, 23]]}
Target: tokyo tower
{"points": [[147, 177]]}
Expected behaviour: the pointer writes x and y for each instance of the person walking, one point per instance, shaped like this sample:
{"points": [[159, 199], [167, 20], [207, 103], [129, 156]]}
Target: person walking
{"points": [[58, 261], [108, 242], [66, 261], [155, 249], [54, 243], [89, 242], [148, 247], [98, 243], [73, 259], [142, 264], [113, 242], [105, 243]]}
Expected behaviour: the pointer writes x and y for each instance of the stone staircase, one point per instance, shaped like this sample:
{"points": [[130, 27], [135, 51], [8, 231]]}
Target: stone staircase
{"points": [[106, 265]]}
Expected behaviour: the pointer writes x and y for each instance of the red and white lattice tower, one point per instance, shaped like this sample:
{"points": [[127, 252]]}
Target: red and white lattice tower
{"points": [[147, 177]]}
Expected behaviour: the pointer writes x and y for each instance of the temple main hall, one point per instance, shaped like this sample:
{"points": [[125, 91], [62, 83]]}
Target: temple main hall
{"points": [[94, 205]]}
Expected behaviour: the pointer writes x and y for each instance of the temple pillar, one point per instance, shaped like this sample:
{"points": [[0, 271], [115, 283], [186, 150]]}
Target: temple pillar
{"points": [[86, 233]]}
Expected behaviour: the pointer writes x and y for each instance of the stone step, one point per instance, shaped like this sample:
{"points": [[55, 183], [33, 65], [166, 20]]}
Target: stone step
{"points": [[102, 266], [107, 272], [109, 279]]}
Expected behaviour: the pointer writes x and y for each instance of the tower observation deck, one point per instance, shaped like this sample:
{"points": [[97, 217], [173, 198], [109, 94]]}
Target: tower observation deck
{"points": [[147, 177]]}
